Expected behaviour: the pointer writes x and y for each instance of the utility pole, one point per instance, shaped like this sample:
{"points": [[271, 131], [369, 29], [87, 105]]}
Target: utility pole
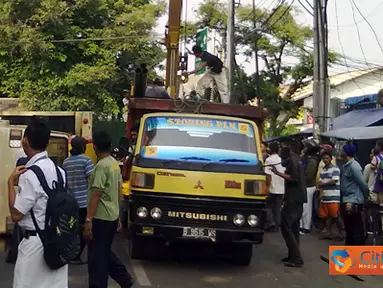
{"points": [[324, 67], [320, 87], [256, 37], [231, 49]]}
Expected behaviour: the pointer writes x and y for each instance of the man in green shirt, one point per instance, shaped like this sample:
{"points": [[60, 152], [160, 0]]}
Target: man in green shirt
{"points": [[102, 221]]}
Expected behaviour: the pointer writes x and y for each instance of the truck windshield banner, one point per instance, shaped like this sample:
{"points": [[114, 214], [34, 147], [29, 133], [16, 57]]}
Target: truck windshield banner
{"points": [[204, 139]]}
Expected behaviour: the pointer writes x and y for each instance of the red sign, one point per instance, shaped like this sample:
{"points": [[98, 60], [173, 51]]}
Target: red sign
{"points": [[232, 184], [310, 119]]}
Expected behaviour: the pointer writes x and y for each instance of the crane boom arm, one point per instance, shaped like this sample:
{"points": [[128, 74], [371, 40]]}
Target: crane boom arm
{"points": [[172, 45]]}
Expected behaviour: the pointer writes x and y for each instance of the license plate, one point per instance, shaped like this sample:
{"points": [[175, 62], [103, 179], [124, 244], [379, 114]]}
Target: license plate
{"points": [[200, 233]]}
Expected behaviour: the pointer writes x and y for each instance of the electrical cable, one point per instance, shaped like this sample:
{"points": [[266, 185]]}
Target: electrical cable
{"points": [[280, 4], [341, 46], [369, 24], [362, 20], [310, 5], [304, 7], [282, 15], [154, 36], [358, 33]]}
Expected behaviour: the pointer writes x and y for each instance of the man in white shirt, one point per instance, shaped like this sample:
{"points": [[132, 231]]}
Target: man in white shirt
{"points": [[31, 269], [369, 174], [276, 186]]}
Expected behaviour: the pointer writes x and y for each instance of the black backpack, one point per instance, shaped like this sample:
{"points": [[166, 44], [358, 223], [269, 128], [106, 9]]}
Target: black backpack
{"points": [[61, 239]]}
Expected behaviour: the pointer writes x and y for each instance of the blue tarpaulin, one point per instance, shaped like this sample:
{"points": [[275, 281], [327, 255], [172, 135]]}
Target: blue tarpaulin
{"points": [[358, 118], [355, 100]]}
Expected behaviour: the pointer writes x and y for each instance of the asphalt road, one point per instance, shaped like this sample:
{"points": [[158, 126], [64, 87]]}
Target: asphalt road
{"points": [[199, 267]]}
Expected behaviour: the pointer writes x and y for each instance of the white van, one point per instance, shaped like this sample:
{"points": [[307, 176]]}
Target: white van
{"points": [[10, 151]]}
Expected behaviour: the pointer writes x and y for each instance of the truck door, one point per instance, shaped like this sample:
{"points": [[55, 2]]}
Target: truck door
{"points": [[58, 148]]}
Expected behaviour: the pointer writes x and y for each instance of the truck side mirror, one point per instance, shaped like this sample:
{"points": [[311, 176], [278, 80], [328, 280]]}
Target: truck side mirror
{"points": [[124, 146]]}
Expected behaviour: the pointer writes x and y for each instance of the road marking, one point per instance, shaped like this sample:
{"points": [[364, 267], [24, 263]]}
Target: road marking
{"points": [[139, 270]]}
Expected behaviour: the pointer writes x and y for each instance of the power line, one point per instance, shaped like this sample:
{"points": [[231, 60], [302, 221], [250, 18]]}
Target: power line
{"points": [[304, 7], [283, 14], [369, 24], [358, 33], [362, 20], [85, 39], [310, 5], [341, 44], [279, 5]]}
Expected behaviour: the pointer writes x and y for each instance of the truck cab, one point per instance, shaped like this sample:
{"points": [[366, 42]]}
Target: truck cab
{"points": [[10, 150], [197, 177]]}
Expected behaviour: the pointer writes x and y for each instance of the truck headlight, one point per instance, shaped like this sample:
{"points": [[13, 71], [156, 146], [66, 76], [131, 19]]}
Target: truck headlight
{"points": [[239, 219], [255, 188], [252, 220], [142, 212], [156, 213], [142, 180]]}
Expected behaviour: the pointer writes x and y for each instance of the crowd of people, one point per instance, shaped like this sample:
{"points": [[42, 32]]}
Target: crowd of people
{"points": [[309, 188], [97, 191]]}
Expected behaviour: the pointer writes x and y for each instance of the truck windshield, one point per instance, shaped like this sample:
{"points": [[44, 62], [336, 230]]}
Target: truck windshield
{"points": [[199, 139]]}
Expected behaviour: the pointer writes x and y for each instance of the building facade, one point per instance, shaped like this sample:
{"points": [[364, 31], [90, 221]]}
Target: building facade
{"points": [[348, 91]]}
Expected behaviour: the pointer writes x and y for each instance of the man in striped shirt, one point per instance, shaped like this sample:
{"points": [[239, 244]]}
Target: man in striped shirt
{"points": [[78, 168], [329, 182]]}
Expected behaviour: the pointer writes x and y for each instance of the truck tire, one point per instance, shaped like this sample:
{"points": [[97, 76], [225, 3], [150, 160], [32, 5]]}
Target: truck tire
{"points": [[137, 248], [242, 254]]}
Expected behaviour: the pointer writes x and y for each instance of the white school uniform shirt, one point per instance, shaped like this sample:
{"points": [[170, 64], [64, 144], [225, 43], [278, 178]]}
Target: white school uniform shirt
{"points": [[277, 185], [31, 269]]}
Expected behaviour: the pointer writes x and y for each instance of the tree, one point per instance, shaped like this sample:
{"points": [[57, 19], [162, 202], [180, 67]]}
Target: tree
{"points": [[277, 36], [62, 55]]}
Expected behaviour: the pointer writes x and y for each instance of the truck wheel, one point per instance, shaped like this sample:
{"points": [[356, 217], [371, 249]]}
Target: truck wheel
{"points": [[137, 248], [242, 254]]}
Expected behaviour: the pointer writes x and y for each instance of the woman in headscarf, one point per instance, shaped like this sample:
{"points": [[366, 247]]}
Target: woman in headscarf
{"points": [[354, 191]]}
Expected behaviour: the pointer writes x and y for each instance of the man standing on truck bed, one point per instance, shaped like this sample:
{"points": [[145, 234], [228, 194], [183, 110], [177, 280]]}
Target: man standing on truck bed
{"points": [[295, 196], [216, 72], [157, 90]]}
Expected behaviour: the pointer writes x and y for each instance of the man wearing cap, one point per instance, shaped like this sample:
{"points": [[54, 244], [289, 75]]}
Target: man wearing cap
{"points": [[78, 168], [126, 94]]}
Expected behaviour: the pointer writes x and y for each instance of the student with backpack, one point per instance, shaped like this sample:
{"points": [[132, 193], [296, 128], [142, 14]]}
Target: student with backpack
{"points": [[46, 212]]}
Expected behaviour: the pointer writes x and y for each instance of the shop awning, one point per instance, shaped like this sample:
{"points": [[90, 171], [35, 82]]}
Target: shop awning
{"points": [[357, 133], [355, 100], [358, 118]]}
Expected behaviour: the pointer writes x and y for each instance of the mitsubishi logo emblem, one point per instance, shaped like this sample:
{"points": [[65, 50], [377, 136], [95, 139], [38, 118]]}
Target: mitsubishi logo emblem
{"points": [[199, 185]]}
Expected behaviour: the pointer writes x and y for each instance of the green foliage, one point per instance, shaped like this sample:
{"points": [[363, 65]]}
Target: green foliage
{"points": [[289, 129], [277, 36], [39, 65]]}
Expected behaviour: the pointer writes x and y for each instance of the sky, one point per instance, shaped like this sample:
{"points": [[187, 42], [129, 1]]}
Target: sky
{"points": [[366, 50]]}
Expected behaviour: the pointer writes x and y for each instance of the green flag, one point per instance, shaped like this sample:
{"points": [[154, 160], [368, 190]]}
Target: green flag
{"points": [[201, 40]]}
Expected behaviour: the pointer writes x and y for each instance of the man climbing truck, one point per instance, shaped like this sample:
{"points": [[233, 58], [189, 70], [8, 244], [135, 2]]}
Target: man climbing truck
{"points": [[197, 176]]}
